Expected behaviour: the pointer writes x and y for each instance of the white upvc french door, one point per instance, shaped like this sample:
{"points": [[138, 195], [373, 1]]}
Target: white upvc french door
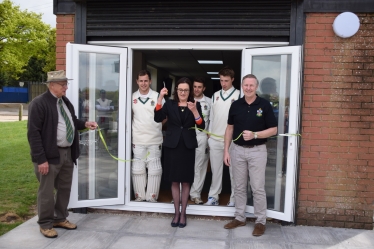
{"points": [[101, 181], [99, 72], [278, 72]]}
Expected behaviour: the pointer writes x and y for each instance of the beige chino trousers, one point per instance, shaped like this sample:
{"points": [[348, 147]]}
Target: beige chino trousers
{"points": [[249, 162]]}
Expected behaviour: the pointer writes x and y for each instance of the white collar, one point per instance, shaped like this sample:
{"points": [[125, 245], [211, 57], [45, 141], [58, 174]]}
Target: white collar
{"points": [[202, 99], [145, 95], [229, 90]]}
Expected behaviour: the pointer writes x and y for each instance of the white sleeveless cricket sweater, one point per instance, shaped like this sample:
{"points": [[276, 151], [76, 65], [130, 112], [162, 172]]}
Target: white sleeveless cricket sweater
{"points": [[220, 111], [145, 131]]}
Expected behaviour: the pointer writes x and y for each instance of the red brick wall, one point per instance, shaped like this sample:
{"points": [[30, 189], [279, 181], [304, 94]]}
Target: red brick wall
{"points": [[64, 34], [336, 181]]}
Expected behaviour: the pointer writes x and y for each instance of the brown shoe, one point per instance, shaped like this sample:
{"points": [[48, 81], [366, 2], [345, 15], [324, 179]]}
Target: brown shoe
{"points": [[234, 224], [49, 233], [66, 225], [259, 229]]}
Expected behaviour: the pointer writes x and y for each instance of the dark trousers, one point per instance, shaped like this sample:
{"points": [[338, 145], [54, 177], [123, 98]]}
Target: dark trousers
{"points": [[54, 190]]}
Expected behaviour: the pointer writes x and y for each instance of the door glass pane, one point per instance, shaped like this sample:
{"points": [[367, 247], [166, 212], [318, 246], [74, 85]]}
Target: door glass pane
{"points": [[98, 100], [273, 74]]}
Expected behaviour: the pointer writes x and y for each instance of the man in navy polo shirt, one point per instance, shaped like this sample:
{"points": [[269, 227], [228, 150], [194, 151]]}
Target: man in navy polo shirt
{"points": [[253, 116]]}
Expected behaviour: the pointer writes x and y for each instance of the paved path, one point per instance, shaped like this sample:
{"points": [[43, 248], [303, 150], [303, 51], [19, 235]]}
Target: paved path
{"points": [[134, 231], [10, 112]]}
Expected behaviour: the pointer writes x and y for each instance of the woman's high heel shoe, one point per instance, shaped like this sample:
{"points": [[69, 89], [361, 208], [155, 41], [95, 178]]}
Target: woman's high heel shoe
{"points": [[175, 224]]}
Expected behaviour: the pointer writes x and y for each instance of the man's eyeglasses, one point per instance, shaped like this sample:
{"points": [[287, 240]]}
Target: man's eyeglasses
{"points": [[183, 90], [62, 84]]}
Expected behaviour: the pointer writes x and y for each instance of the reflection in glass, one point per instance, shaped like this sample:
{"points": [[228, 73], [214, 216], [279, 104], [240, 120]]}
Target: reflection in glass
{"points": [[273, 74], [98, 100]]}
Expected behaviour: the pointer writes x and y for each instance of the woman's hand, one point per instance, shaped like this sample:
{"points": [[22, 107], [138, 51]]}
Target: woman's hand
{"points": [[192, 106], [163, 92]]}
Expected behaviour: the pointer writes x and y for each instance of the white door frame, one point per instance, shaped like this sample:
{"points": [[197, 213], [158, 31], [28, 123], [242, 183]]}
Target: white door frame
{"points": [[72, 72], [170, 45], [294, 119]]}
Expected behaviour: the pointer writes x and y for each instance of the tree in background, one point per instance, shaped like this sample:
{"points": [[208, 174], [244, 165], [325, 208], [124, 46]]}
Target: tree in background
{"points": [[26, 43], [38, 66], [33, 71]]}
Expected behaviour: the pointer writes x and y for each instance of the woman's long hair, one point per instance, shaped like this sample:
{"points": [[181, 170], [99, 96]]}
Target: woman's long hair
{"points": [[190, 93]]}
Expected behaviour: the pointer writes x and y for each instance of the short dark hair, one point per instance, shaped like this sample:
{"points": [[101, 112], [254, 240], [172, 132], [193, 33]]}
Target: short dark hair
{"points": [[143, 73], [184, 80], [200, 80], [227, 71]]}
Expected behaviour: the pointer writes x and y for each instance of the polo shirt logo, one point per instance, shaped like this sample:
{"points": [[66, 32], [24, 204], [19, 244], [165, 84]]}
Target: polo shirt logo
{"points": [[205, 107], [152, 103], [217, 98], [259, 113]]}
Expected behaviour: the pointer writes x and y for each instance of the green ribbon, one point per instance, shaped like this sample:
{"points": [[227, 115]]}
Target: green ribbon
{"points": [[215, 135], [202, 130], [116, 158]]}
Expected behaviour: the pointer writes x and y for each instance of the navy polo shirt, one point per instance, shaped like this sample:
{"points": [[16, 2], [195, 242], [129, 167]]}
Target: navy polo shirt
{"points": [[257, 116]]}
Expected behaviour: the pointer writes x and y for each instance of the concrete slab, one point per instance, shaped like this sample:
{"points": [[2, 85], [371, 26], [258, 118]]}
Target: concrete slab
{"points": [[104, 222], [306, 246], [74, 239], [273, 233], [25, 236], [321, 235], [28, 234], [150, 226], [354, 238], [197, 244], [76, 218], [139, 242], [212, 229], [258, 245], [133, 231]]}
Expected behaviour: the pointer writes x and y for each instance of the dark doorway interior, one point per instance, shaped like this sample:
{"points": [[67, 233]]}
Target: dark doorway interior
{"points": [[184, 63]]}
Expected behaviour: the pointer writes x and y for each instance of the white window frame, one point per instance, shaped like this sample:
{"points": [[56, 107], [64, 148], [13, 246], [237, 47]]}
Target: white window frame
{"points": [[170, 45], [72, 72]]}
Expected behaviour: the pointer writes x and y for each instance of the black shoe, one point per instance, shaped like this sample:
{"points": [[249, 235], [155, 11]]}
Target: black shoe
{"points": [[175, 224], [182, 225]]}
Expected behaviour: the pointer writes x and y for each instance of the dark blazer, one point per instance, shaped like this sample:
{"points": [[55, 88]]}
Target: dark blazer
{"points": [[42, 129], [175, 126]]}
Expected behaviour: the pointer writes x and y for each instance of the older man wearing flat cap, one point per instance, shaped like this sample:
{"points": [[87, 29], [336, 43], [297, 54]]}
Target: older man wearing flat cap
{"points": [[52, 132]]}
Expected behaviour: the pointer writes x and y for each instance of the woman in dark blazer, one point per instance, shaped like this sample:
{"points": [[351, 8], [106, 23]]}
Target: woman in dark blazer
{"points": [[182, 114]]}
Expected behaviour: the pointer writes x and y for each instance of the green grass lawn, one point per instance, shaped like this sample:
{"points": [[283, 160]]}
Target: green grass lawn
{"points": [[18, 184]]}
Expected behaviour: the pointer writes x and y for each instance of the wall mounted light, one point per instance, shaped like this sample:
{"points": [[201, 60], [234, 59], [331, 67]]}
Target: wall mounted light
{"points": [[346, 24]]}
